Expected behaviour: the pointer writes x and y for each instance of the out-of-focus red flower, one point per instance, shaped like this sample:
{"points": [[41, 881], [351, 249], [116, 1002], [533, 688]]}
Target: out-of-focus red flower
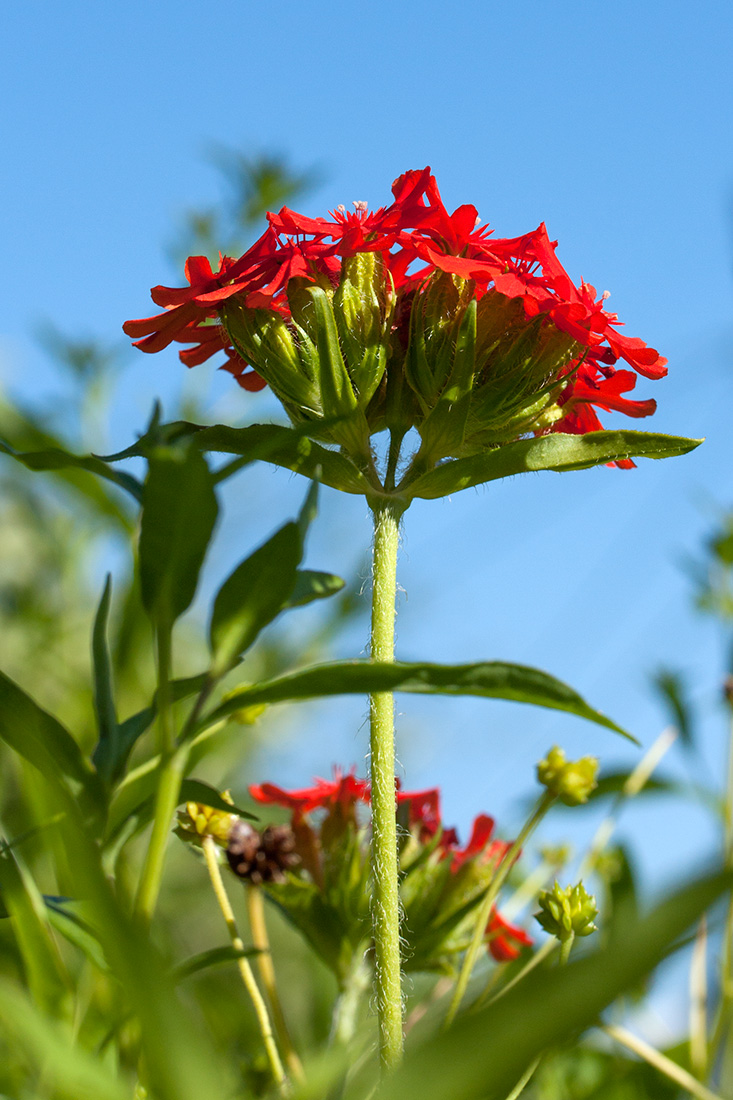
{"points": [[326, 793], [505, 940], [479, 844]]}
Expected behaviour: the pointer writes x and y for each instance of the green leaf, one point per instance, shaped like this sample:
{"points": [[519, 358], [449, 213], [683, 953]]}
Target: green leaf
{"points": [[312, 585], [179, 513], [106, 757], [135, 806], [136, 725], [47, 979], [41, 739], [289, 447], [75, 929], [485, 1053], [557, 452], [70, 1071], [253, 595], [673, 692], [216, 956], [55, 459], [259, 588], [489, 679], [195, 790]]}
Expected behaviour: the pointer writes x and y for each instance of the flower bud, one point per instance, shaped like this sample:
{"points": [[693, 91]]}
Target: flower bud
{"points": [[363, 306], [267, 343], [570, 781], [435, 319], [198, 821], [568, 912]]}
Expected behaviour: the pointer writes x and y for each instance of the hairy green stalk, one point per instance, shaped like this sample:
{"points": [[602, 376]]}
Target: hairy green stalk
{"points": [[385, 897]]}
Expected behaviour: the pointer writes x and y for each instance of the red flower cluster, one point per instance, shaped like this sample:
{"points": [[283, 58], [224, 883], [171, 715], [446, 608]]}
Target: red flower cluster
{"points": [[416, 237], [344, 791]]}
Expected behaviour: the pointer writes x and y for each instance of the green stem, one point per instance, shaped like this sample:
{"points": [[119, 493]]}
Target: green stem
{"points": [[385, 896], [524, 1080], [725, 1008], [487, 904], [660, 1061], [346, 1009], [566, 946], [211, 855], [266, 969], [167, 797], [172, 769]]}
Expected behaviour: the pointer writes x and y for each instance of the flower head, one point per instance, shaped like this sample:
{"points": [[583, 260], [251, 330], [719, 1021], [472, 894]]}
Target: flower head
{"points": [[442, 881], [405, 316], [572, 781], [568, 912]]}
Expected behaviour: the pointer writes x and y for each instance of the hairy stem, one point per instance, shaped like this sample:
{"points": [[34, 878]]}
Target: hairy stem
{"points": [[385, 897], [266, 970], [212, 863]]}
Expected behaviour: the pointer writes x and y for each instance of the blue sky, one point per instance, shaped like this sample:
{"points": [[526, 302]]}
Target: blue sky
{"points": [[610, 123]]}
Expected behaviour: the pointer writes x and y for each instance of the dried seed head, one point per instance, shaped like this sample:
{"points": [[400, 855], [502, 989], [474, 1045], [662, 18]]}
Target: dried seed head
{"points": [[261, 857]]}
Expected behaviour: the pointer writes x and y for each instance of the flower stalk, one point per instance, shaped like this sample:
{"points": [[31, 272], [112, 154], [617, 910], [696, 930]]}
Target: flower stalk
{"points": [[385, 898], [487, 905], [261, 941], [211, 854]]}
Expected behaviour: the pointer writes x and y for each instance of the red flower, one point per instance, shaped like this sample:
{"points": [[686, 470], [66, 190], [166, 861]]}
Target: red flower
{"points": [[505, 940], [480, 845], [415, 228], [342, 789]]}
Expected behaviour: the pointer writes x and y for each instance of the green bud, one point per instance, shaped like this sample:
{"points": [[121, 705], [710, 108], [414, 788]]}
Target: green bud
{"points": [[363, 306], [568, 912], [198, 821], [435, 320], [269, 344], [570, 781], [517, 365]]}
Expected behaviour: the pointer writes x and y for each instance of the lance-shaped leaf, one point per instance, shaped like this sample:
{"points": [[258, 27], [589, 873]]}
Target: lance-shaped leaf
{"points": [[135, 726], [68, 1069], [289, 448], [215, 956], [259, 589], [292, 448], [558, 452], [311, 584], [485, 1053], [107, 756], [134, 808], [45, 972], [54, 459], [41, 739], [489, 679], [179, 513]]}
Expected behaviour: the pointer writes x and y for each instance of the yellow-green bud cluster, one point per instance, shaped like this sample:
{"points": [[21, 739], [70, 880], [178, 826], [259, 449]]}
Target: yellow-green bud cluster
{"points": [[568, 912], [569, 780], [197, 821]]}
